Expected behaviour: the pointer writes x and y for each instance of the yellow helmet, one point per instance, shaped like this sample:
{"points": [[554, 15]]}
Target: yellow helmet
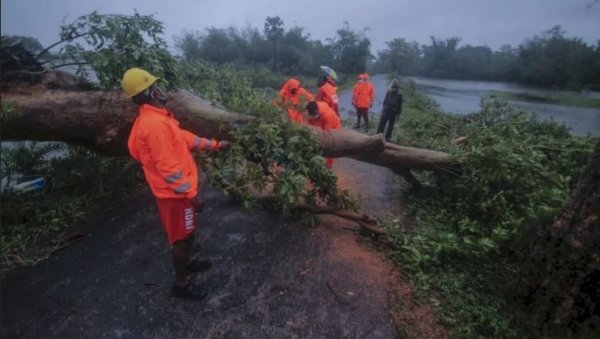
{"points": [[135, 80]]}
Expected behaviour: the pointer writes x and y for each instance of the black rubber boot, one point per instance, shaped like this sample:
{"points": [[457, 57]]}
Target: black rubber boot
{"points": [[197, 265], [189, 291], [357, 121]]}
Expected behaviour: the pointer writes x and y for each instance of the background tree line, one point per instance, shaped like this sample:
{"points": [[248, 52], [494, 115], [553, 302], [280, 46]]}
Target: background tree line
{"points": [[549, 60], [288, 51]]}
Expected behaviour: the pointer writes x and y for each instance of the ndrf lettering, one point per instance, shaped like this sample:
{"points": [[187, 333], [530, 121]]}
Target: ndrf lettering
{"points": [[189, 219]]}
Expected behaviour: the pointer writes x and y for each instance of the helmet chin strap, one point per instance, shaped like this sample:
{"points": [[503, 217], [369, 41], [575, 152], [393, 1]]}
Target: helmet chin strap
{"points": [[158, 94]]}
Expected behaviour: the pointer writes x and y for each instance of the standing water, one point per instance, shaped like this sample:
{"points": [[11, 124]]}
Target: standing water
{"points": [[463, 97]]}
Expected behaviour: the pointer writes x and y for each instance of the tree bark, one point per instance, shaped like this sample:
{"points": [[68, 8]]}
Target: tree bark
{"points": [[56, 110], [563, 272], [101, 120]]}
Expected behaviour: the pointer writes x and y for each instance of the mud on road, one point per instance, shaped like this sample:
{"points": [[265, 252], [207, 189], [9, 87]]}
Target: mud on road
{"points": [[272, 278]]}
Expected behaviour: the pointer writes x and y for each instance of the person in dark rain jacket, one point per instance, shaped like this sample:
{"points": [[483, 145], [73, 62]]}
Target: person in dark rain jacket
{"points": [[392, 106]]}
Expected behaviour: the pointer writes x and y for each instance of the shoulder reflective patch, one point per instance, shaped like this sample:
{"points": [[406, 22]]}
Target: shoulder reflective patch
{"points": [[196, 142], [174, 177], [182, 188], [203, 142]]}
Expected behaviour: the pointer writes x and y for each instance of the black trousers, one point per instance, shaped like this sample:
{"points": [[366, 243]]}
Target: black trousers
{"points": [[362, 112], [387, 118]]}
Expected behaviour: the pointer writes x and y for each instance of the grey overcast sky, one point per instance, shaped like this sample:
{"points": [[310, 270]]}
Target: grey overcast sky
{"points": [[478, 22]]}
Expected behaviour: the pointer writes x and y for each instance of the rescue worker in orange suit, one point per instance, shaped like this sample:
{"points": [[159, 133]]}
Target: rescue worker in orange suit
{"points": [[322, 116], [328, 92], [164, 151], [293, 97], [363, 96]]}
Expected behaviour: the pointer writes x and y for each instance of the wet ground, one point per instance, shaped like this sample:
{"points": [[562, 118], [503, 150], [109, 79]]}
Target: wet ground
{"points": [[272, 277]]}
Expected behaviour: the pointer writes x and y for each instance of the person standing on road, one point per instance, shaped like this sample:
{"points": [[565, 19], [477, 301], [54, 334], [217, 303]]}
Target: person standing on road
{"points": [[164, 151], [392, 107], [322, 116], [362, 99], [293, 97]]}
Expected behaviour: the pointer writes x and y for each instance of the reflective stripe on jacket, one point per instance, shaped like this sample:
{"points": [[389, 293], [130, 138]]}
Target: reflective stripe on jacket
{"points": [[164, 151], [363, 94]]}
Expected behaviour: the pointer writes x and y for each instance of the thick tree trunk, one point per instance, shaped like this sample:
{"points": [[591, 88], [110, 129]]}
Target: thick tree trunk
{"points": [[56, 110], [100, 120], [399, 158], [563, 272]]}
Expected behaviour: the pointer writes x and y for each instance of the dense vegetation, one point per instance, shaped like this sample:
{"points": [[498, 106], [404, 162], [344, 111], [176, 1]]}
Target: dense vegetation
{"points": [[550, 60], [472, 228]]}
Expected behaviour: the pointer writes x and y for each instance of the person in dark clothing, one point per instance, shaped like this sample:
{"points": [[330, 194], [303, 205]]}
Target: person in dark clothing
{"points": [[392, 106]]}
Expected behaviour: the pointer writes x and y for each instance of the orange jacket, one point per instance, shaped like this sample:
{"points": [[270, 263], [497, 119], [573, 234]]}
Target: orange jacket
{"points": [[328, 94], [363, 94], [328, 118], [164, 151], [294, 102]]}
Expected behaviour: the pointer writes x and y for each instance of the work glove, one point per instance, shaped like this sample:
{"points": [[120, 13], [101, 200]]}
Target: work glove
{"points": [[224, 145]]}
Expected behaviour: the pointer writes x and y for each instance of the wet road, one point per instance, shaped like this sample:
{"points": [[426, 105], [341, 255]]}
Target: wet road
{"points": [[272, 278]]}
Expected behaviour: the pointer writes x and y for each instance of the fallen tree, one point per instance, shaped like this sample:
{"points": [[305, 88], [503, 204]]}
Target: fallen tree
{"points": [[59, 108]]}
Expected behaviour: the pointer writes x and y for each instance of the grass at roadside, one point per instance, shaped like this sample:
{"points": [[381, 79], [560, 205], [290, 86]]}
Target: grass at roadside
{"points": [[79, 182]]}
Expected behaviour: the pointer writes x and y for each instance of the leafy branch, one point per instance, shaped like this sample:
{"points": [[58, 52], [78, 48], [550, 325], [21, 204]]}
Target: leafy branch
{"points": [[109, 44]]}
